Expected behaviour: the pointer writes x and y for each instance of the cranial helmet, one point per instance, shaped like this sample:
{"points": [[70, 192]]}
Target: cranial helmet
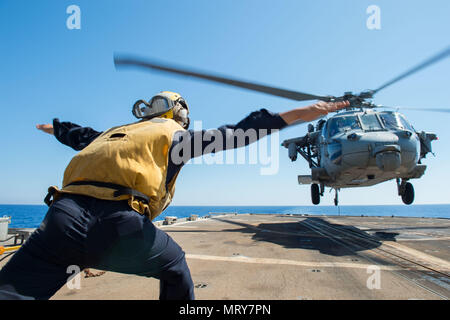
{"points": [[165, 104]]}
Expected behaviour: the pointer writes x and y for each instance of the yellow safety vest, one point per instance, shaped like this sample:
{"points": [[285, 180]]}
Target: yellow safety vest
{"points": [[134, 156]]}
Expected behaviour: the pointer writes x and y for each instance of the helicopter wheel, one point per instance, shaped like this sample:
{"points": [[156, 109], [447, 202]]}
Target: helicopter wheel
{"points": [[315, 193], [408, 193]]}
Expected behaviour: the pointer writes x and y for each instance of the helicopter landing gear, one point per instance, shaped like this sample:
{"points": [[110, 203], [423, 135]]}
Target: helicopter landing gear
{"points": [[336, 199], [315, 193], [406, 191]]}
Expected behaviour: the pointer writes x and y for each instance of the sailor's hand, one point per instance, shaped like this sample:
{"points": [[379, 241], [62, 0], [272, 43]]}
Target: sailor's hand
{"points": [[47, 128], [312, 112], [322, 108]]}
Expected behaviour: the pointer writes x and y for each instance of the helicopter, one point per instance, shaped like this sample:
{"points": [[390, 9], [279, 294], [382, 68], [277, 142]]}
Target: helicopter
{"points": [[363, 145], [360, 148]]}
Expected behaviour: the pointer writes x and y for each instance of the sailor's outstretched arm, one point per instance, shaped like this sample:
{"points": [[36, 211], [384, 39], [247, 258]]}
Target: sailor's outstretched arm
{"points": [[190, 144], [250, 129], [194, 143], [70, 134]]}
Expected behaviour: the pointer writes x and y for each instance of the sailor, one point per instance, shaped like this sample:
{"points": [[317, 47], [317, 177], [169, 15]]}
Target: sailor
{"points": [[114, 187]]}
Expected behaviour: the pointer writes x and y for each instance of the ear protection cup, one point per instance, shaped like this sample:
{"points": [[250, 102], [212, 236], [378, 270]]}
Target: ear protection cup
{"points": [[181, 115]]}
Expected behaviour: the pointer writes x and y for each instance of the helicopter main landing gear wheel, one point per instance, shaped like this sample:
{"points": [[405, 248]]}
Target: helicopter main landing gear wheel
{"points": [[408, 194], [406, 191], [315, 193]]}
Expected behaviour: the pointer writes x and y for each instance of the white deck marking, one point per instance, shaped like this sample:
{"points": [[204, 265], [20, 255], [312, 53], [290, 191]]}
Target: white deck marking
{"points": [[423, 239], [243, 259], [443, 265]]}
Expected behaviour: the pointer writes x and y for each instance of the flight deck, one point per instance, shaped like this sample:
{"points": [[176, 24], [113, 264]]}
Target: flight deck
{"points": [[296, 257]]}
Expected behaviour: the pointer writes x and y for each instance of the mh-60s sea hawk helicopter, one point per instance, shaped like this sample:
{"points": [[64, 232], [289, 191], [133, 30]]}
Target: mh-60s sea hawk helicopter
{"points": [[358, 147]]}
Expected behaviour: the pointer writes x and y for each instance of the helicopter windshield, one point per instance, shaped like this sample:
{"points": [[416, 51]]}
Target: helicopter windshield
{"points": [[395, 121], [405, 124], [390, 121], [370, 122], [342, 124]]}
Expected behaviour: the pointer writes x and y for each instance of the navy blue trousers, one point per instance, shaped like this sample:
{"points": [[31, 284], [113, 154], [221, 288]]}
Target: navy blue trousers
{"points": [[91, 233]]}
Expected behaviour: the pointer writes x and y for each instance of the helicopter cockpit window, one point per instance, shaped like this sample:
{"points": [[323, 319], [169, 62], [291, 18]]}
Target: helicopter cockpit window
{"points": [[343, 124], [370, 122], [395, 121], [406, 125], [390, 121]]}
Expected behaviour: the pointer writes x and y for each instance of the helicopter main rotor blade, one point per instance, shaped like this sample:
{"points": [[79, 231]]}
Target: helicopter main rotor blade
{"points": [[442, 110], [121, 61], [441, 55]]}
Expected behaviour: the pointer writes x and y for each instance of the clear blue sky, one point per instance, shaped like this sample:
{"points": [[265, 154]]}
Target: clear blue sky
{"points": [[320, 47]]}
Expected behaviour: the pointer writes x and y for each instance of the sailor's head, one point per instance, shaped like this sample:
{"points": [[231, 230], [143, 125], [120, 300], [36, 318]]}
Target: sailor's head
{"points": [[165, 104]]}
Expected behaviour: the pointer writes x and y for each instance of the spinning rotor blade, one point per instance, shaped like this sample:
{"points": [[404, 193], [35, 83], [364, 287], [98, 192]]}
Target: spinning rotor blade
{"points": [[120, 61], [443, 54], [442, 110]]}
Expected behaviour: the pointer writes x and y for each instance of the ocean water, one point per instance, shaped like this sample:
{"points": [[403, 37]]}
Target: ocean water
{"points": [[30, 216]]}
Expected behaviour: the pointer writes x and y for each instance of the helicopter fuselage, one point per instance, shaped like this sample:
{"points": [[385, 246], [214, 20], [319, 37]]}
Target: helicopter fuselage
{"points": [[355, 159], [361, 148]]}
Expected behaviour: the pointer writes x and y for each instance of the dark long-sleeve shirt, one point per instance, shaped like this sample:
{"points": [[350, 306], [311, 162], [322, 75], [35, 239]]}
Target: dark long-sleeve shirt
{"points": [[257, 125]]}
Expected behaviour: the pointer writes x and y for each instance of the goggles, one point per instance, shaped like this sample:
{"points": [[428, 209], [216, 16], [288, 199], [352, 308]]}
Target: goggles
{"points": [[163, 104], [156, 107]]}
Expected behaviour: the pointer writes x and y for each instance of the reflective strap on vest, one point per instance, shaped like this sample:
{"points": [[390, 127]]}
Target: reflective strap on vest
{"points": [[120, 190]]}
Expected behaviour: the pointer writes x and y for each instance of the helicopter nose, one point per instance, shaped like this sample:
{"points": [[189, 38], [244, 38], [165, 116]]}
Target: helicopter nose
{"points": [[388, 157]]}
